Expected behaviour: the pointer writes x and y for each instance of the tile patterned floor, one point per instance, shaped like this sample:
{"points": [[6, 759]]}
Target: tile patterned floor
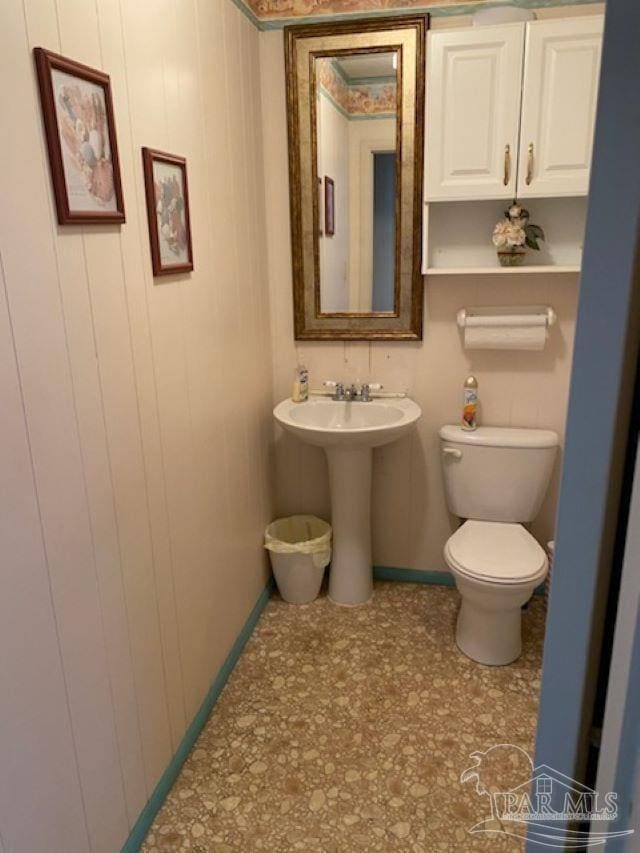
{"points": [[347, 729]]}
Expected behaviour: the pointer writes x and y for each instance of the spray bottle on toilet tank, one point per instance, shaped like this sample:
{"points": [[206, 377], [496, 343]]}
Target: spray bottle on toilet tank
{"points": [[470, 404]]}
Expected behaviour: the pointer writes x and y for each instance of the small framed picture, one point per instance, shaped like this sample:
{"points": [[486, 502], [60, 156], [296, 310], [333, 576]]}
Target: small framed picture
{"points": [[329, 207], [80, 129], [320, 208], [165, 179]]}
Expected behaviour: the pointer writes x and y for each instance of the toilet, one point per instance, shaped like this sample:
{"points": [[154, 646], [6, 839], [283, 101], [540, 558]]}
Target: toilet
{"points": [[495, 478]]}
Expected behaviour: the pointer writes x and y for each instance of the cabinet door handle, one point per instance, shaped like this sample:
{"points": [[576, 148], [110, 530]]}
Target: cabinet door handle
{"points": [[529, 177], [507, 165]]}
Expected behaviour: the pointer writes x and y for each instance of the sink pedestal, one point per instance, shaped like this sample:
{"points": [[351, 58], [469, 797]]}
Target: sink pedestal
{"points": [[351, 577]]}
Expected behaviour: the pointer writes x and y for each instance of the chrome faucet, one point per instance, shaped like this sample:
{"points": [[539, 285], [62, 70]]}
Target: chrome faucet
{"points": [[352, 394], [365, 392]]}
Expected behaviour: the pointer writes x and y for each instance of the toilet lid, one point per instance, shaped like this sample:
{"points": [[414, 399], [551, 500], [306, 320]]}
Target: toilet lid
{"points": [[495, 551]]}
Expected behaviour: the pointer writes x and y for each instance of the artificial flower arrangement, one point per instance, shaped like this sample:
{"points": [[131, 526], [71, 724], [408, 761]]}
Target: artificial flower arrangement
{"points": [[513, 233]]}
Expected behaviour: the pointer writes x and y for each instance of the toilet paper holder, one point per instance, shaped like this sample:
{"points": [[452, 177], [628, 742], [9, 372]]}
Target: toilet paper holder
{"points": [[511, 315]]}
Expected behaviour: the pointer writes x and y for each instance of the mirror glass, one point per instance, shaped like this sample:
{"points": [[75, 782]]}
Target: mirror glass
{"points": [[356, 151]]}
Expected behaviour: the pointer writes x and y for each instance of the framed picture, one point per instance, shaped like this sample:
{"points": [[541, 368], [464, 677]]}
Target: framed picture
{"points": [[81, 139], [165, 180], [320, 208], [329, 207]]}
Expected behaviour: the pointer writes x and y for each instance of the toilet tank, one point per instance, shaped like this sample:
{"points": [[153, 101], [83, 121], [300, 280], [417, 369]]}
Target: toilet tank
{"points": [[496, 473]]}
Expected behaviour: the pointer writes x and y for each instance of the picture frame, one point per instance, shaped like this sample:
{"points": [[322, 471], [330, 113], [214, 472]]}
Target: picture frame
{"points": [[79, 125], [329, 206], [167, 197], [320, 209]]}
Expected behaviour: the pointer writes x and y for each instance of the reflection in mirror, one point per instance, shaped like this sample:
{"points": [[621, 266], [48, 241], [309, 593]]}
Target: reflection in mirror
{"points": [[356, 149]]}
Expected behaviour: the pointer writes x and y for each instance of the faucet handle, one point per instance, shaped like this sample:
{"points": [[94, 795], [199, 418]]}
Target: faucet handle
{"points": [[367, 388], [336, 387]]}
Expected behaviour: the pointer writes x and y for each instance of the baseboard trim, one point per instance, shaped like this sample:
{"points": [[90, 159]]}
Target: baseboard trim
{"points": [[391, 573], [157, 798], [436, 578]]}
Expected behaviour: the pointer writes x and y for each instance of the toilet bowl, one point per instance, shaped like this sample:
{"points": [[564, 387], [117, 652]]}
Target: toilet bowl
{"points": [[496, 567], [495, 478]]}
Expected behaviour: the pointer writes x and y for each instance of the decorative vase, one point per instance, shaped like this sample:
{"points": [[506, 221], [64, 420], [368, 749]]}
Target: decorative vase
{"points": [[512, 258], [513, 233]]}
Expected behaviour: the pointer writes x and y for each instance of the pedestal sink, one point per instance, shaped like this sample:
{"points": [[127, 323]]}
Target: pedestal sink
{"points": [[349, 431]]}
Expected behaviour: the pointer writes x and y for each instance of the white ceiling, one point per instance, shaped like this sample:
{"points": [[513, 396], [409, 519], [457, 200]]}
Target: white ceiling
{"points": [[367, 65]]}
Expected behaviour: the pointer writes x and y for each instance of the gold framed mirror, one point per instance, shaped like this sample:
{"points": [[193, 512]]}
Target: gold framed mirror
{"points": [[355, 109]]}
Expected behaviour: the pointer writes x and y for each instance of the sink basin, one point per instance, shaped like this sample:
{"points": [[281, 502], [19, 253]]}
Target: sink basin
{"points": [[349, 432], [328, 423]]}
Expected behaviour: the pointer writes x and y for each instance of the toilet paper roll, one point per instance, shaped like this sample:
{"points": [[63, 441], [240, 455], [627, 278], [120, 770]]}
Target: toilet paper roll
{"points": [[506, 319], [506, 337]]}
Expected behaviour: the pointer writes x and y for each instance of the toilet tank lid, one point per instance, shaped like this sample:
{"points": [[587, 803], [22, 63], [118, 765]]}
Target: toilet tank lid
{"points": [[500, 436]]}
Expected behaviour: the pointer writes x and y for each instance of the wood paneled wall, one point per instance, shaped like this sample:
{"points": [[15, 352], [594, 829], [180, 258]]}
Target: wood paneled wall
{"points": [[135, 419]]}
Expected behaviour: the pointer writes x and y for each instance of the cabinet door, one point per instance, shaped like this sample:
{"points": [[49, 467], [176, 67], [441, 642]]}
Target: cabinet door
{"points": [[474, 81], [560, 92]]}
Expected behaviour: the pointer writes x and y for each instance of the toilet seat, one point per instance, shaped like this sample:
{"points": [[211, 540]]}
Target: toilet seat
{"points": [[496, 552]]}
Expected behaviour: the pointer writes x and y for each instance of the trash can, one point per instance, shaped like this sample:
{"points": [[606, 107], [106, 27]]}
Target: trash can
{"points": [[300, 550]]}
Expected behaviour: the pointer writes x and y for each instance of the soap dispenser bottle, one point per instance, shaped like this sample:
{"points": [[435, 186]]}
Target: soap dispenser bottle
{"points": [[470, 404], [300, 392]]}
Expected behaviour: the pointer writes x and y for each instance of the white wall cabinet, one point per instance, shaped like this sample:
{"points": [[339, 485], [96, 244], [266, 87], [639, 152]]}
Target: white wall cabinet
{"points": [[473, 112], [559, 98], [510, 109]]}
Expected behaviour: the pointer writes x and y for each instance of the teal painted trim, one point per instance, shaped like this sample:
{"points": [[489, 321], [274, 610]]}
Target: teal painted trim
{"points": [[372, 81], [371, 117], [360, 81], [325, 94], [157, 798], [435, 11], [248, 13], [391, 573], [339, 71]]}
